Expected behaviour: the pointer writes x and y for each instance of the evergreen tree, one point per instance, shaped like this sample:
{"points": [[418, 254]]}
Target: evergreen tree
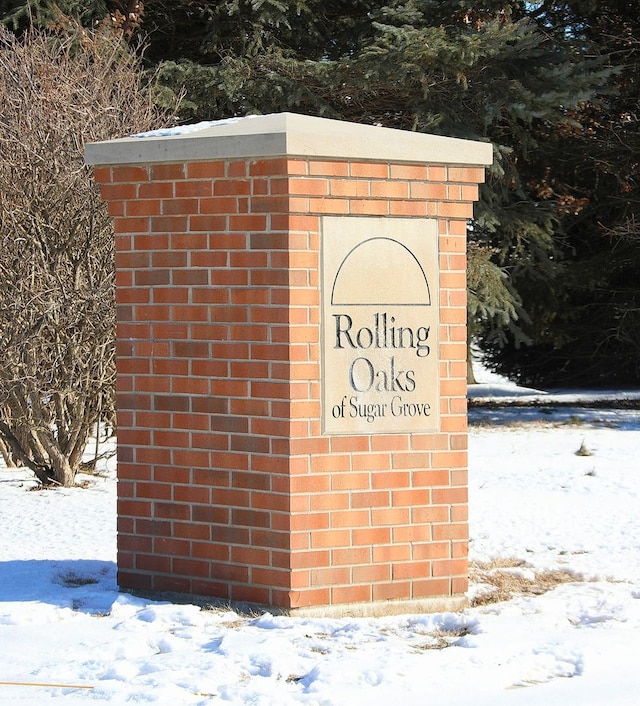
{"points": [[527, 76], [487, 73], [585, 323], [19, 15]]}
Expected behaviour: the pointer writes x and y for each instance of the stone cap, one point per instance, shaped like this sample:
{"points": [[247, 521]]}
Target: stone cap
{"points": [[290, 135]]}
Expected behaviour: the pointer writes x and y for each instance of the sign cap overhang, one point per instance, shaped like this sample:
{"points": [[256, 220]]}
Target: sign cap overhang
{"points": [[288, 135]]}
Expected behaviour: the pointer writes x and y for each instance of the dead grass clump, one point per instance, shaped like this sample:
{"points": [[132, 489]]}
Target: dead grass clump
{"points": [[507, 578], [584, 450], [71, 579], [442, 638]]}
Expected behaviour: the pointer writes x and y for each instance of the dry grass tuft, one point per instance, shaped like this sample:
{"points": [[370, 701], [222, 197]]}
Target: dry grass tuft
{"points": [[507, 578], [442, 638], [71, 579], [584, 450]]}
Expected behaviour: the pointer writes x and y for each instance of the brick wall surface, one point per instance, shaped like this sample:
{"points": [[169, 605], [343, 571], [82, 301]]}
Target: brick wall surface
{"points": [[227, 487]]}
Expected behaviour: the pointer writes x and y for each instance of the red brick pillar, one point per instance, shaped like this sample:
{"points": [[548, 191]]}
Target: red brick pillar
{"points": [[240, 477]]}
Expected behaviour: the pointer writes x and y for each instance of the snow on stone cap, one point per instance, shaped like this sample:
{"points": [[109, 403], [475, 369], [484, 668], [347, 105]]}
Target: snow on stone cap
{"points": [[187, 129]]}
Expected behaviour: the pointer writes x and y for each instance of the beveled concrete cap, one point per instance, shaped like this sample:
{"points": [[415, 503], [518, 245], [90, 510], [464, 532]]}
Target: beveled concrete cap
{"points": [[290, 135]]}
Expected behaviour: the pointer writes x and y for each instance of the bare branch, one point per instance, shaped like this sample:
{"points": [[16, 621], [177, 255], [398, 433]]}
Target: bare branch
{"points": [[57, 311]]}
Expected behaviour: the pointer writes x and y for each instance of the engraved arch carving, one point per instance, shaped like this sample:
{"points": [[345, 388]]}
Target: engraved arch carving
{"points": [[380, 271]]}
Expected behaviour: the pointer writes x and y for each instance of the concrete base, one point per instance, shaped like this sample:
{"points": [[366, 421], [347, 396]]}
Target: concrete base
{"points": [[374, 609], [379, 609]]}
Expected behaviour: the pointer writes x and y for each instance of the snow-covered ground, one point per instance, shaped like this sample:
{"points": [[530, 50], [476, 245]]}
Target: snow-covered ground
{"points": [[67, 635]]}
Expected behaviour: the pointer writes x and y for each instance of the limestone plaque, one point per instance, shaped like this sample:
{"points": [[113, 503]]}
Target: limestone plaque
{"points": [[380, 371]]}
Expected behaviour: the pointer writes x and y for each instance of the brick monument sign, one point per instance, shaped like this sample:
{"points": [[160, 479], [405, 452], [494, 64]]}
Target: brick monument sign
{"points": [[291, 350]]}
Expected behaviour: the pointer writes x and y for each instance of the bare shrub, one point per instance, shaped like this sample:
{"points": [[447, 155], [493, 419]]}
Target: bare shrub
{"points": [[57, 316], [5, 453]]}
